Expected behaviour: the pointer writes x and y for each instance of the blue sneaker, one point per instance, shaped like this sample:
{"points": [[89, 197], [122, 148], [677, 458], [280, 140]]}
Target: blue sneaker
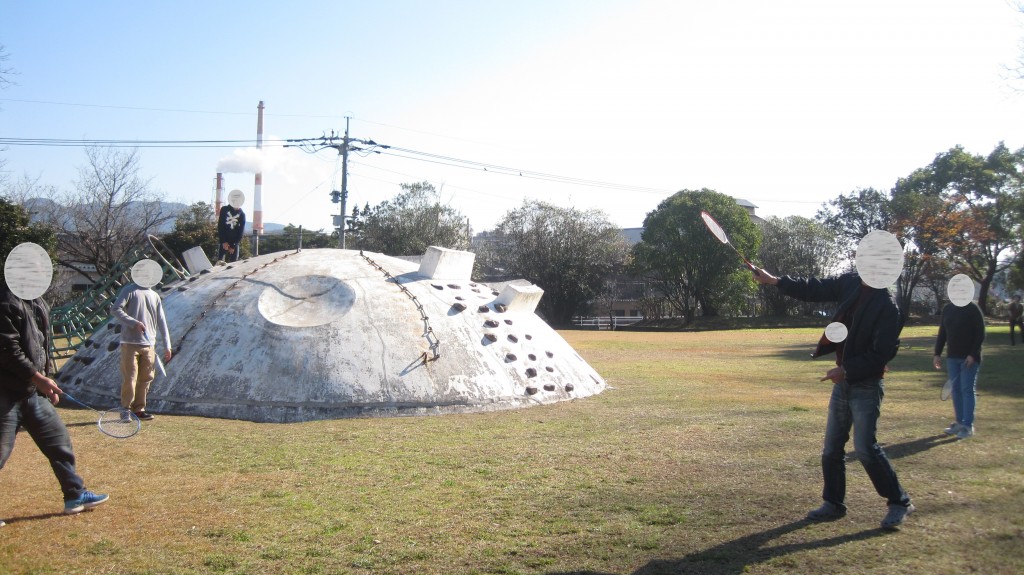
{"points": [[88, 500]]}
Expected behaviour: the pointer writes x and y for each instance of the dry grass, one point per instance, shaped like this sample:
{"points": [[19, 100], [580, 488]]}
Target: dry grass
{"points": [[702, 458]]}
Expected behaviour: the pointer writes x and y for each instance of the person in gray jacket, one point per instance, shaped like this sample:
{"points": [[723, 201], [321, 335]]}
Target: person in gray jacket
{"points": [[140, 312]]}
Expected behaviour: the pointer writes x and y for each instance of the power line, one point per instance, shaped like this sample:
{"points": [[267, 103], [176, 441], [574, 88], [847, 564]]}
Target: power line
{"points": [[175, 110], [66, 142]]}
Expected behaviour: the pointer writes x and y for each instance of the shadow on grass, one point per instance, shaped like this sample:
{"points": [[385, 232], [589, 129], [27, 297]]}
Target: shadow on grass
{"points": [[915, 446], [738, 555]]}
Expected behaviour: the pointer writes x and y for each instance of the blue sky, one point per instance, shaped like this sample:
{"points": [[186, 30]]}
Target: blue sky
{"points": [[786, 104]]}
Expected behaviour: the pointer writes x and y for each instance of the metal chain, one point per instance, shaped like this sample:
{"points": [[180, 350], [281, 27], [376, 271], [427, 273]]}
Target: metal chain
{"points": [[428, 332]]}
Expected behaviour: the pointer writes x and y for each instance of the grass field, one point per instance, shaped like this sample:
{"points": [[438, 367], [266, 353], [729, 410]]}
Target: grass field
{"points": [[702, 457]]}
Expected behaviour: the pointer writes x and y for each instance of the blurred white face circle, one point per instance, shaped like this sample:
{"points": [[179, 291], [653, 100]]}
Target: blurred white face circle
{"points": [[147, 273], [879, 259], [836, 332], [236, 198], [960, 290], [28, 271]]}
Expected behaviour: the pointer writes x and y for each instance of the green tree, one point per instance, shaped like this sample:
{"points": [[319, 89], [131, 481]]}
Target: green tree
{"points": [[689, 266], [195, 226], [800, 247], [971, 211], [16, 228], [567, 252], [409, 223]]}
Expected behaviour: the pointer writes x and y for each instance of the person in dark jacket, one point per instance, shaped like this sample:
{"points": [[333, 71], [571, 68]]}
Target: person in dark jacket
{"points": [[28, 395], [231, 226], [961, 331], [873, 326]]}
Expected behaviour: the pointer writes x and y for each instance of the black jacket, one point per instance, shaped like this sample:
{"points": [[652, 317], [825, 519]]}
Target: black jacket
{"points": [[874, 329], [230, 230], [24, 343]]}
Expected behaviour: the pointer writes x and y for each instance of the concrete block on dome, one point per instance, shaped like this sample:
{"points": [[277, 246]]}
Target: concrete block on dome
{"points": [[447, 264], [196, 260], [520, 298]]}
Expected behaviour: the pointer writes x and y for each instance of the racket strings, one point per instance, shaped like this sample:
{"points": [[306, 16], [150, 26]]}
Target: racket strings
{"points": [[119, 422]]}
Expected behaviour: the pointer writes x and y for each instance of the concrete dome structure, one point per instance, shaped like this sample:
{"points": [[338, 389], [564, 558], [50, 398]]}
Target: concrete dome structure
{"points": [[321, 334]]}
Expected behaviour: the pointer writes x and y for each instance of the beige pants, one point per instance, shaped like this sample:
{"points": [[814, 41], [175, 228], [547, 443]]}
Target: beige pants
{"points": [[137, 372]]}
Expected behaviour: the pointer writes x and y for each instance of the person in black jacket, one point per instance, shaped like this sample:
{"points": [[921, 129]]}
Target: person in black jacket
{"points": [[28, 395], [873, 325], [962, 330], [231, 226]]}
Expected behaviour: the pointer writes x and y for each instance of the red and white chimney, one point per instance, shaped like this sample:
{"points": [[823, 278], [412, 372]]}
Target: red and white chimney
{"points": [[220, 195], [257, 202]]}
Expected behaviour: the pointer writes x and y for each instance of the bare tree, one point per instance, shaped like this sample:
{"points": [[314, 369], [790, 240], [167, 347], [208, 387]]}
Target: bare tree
{"points": [[111, 210]]}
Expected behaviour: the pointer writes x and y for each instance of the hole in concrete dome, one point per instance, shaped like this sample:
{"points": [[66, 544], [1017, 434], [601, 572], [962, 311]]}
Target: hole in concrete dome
{"points": [[508, 321], [459, 306], [483, 309], [437, 286], [471, 284], [510, 357], [528, 336], [490, 323], [549, 387], [532, 357], [500, 307], [476, 290], [531, 390], [183, 288], [117, 328], [549, 354], [460, 298], [490, 337], [494, 293], [569, 387], [513, 338], [112, 346], [78, 381], [550, 369], [88, 360], [530, 372], [110, 326], [455, 286]]}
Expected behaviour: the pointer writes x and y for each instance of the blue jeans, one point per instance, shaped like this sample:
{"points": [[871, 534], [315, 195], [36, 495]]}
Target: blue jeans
{"points": [[857, 406], [964, 379], [47, 429]]}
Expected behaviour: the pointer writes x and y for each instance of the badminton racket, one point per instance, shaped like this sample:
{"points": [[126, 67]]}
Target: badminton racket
{"points": [[947, 390], [716, 230], [117, 422]]}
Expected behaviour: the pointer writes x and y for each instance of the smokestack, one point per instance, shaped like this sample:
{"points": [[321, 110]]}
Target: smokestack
{"points": [[257, 203], [220, 194]]}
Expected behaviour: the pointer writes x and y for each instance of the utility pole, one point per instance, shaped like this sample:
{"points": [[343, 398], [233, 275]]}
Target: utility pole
{"points": [[339, 197]]}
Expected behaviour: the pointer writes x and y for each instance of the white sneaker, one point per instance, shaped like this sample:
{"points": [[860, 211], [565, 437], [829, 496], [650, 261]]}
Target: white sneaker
{"points": [[952, 429], [965, 431]]}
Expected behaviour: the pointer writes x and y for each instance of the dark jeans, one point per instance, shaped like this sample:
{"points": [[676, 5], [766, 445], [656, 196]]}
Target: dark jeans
{"points": [[857, 406], [1016, 323], [47, 429]]}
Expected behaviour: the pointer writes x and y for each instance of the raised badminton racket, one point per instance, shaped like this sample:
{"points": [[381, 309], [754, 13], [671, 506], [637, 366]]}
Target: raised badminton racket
{"points": [[117, 422], [716, 230]]}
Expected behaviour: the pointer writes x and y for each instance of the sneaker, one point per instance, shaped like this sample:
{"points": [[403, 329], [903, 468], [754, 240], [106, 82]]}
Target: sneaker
{"points": [[88, 500], [2, 523], [827, 512], [965, 431], [897, 513], [144, 415], [952, 429]]}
